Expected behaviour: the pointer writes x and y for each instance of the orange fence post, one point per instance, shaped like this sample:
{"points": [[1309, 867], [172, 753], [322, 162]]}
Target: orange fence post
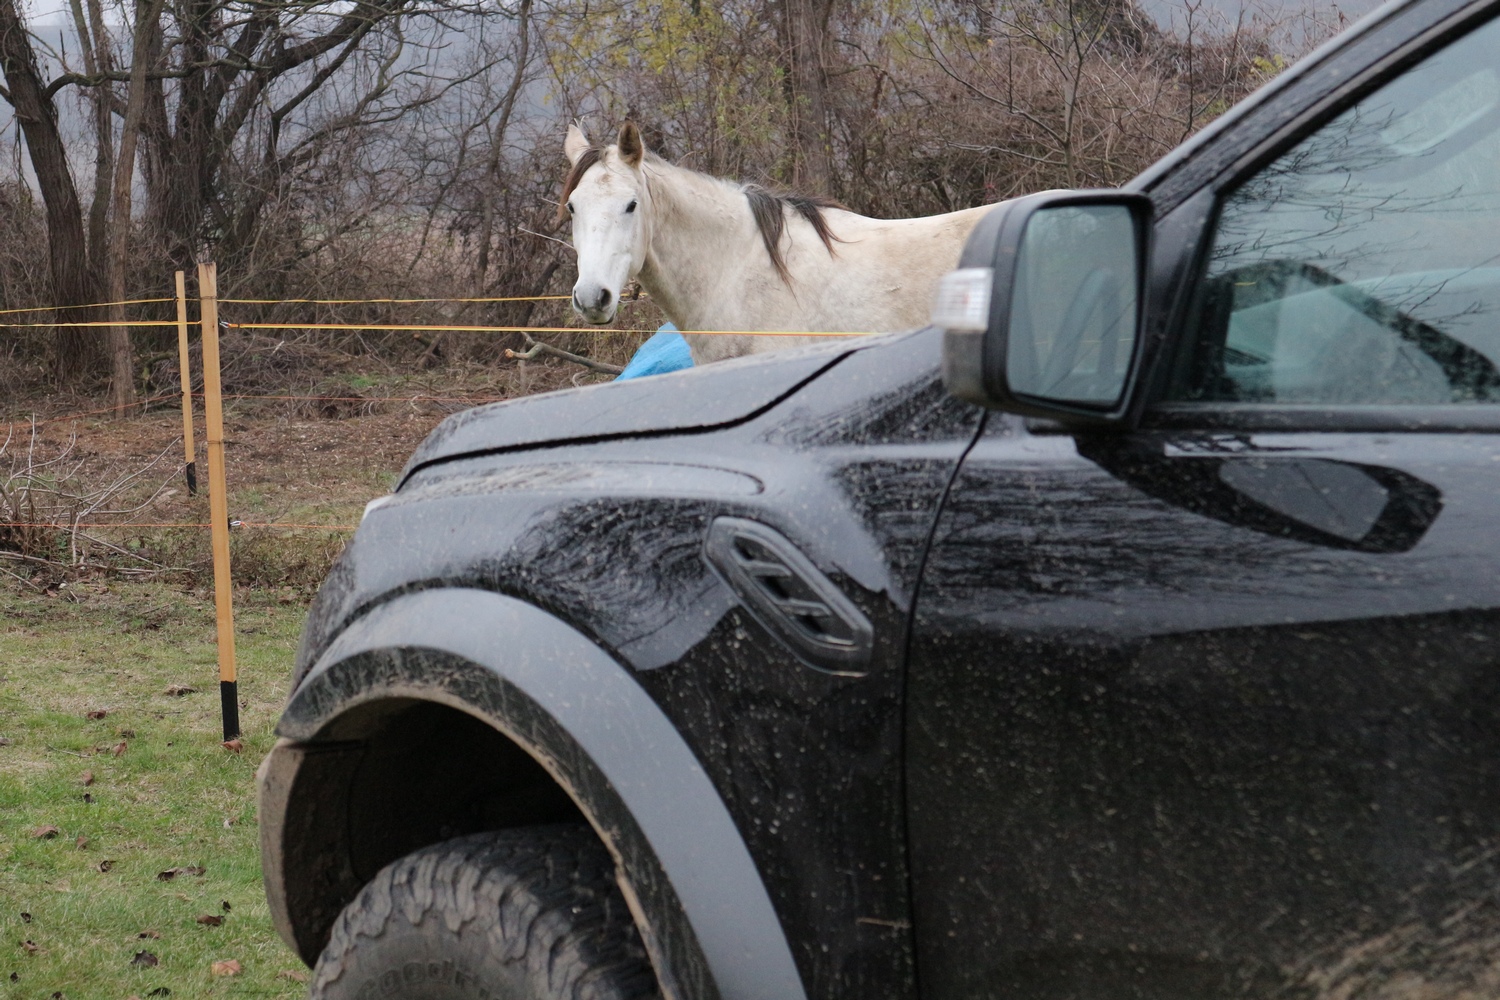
{"points": [[190, 464], [218, 500]]}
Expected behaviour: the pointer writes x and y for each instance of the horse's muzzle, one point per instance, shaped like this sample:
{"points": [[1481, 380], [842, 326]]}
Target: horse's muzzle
{"points": [[595, 303]]}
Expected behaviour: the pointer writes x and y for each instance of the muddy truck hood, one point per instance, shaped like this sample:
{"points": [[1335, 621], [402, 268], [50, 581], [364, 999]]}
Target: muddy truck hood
{"points": [[696, 399]]}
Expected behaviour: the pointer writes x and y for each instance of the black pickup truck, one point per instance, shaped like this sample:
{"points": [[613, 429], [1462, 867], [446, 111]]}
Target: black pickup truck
{"points": [[1132, 632]]}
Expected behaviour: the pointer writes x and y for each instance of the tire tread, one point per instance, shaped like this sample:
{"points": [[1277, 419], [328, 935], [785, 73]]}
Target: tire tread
{"points": [[548, 895]]}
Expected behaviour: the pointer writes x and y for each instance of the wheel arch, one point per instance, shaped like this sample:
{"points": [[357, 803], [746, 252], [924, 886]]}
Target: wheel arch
{"points": [[481, 672]]}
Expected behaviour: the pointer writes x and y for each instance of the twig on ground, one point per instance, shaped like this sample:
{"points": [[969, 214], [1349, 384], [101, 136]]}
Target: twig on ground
{"points": [[23, 557], [538, 348], [21, 579], [122, 551], [37, 494], [143, 571]]}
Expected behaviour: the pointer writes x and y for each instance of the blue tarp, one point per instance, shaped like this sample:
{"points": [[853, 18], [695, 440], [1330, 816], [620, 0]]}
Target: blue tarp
{"points": [[664, 352]]}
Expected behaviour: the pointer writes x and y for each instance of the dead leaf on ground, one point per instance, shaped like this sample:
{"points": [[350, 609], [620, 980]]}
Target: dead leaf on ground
{"points": [[295, 975], [228, 967], [178, 690], [96, 713], [87, 779], [145, 958], [45, 832], [125, 734], [152, 935], [119, 748], [172, 873], [104, 865], [225, 903], [30, 947], [233, 745], [4, 741], [209, 919], [26, 917], [88, 799], [82, 842], [160, 991]]}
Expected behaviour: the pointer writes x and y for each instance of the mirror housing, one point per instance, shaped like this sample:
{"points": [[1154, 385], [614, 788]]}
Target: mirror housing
{"points": [[1044, 315]]}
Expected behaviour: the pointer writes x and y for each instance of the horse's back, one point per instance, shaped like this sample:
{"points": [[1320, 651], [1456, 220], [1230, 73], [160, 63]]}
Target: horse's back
{"points": [[878, 276], [882, 274]]}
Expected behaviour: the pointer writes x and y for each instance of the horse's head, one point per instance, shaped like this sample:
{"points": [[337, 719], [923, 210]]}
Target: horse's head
{"points": [[606, 196]]}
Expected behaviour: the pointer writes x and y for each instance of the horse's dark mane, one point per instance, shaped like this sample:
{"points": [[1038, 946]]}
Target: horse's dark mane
{"points": [[575, 174], [769, 209]]}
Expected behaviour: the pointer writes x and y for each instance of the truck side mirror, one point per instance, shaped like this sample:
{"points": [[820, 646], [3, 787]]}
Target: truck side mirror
{"points": [[1043, 316]]}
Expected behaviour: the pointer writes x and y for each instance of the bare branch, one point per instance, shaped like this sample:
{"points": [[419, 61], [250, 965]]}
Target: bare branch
{"points": [[538, 349]]}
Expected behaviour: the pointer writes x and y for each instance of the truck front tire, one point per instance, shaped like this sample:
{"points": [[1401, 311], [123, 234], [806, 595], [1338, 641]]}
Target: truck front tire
{"points": [[524, 914]]}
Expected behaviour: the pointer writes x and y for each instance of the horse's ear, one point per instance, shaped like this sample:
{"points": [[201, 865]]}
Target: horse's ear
{"points": [[632, 150], [576, 144]]}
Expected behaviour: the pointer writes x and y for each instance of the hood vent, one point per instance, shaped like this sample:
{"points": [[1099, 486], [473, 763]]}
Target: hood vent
{"points": [[790, 597]]}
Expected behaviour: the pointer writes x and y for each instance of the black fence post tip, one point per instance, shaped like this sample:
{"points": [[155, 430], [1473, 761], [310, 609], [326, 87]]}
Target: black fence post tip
{"points": [[191, 471], [229, 703]]}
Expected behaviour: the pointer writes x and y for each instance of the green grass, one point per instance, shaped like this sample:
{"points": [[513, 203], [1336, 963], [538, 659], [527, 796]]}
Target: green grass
{"points": [[174, 798]]}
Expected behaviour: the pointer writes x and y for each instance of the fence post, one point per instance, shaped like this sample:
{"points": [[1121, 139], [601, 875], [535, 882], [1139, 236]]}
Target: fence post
{"points": [[218, 500], [190, 463]]}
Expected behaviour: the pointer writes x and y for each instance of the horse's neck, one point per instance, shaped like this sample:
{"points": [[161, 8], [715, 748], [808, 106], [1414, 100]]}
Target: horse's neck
{"points": [[702, 231]]}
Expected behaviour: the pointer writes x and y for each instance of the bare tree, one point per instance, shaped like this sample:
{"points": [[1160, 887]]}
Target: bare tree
{"points": [[804, 28], [73, 283], [500, 116], [122, 360], [1071, 93], [231, 101]]}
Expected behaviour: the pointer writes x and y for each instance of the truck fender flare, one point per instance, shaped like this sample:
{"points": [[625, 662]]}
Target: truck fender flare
{"points": [[706, 917]]}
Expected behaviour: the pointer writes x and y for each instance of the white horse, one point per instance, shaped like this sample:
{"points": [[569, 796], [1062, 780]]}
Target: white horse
{"points": [[717, 255]]}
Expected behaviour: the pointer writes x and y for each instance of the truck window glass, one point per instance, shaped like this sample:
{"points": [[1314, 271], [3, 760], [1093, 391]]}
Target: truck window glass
{"points": [[1362, 266]]}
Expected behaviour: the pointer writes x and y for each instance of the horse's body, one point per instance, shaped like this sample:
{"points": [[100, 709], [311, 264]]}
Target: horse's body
{"points": [[706, 251]]}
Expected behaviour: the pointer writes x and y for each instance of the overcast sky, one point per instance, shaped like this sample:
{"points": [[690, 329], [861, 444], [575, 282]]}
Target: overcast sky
{"points": [[1170, 12], [44, 10]]}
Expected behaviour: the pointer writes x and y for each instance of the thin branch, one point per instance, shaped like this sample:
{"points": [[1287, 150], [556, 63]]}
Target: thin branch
{"points": [[21, 579], [538, 348], [554, 239], [23, 557], [120, 76]]}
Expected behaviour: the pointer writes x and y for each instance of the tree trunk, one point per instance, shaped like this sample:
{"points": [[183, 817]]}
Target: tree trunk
{"points": [[179, 179], [497, 147], [78, 351], [805, 42], [121, 357], [94, 41]]}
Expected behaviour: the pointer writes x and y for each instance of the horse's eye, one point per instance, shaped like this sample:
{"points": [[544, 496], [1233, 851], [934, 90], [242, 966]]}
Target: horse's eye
{"points": [[630, 208], [570, 208]]}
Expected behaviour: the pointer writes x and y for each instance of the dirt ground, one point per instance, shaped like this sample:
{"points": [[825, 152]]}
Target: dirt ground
{"points": [[307, 457], [292, 429]]}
